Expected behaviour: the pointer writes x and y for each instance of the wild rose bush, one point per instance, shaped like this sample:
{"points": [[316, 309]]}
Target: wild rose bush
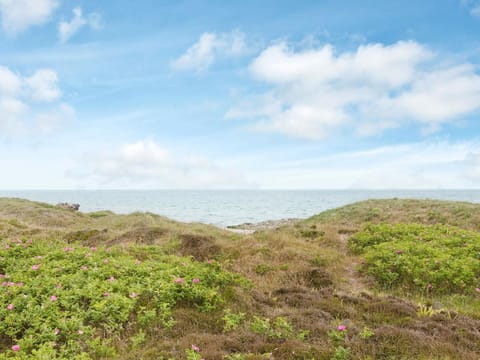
{"points": [[433, 259], [59, 300]]}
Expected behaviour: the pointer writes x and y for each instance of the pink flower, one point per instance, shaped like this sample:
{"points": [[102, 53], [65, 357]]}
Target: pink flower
{"points": [[56, 331], [477, 290], [106, 294], [58, 286], [137, 262], [53, 298], [429, 286], [399, 252], [7, 247], [68, 249], [179, 280], [20, 284], [196, 280], [10, 307], [111, 279], [108, 249], [10, 283], [29, 241], [16, 347], [133, 295], [105, 261], [88, 255], [195, 348], [35, 267], [39, 257], [210, 261], [80, 332], [2, 276], [93, 248], [4, 283], [84, 267], [341, 328]]}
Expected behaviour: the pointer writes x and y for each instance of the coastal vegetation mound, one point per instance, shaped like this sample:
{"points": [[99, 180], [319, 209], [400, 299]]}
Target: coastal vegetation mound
{"points": [[415, 257], [379, 279]]}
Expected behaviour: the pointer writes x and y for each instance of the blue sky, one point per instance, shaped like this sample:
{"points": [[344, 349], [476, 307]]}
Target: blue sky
{"points": [[239, 94]]}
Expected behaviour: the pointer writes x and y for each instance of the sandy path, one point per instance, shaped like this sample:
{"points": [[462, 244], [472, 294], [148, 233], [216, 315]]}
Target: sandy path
{"points": [[356, 281]]}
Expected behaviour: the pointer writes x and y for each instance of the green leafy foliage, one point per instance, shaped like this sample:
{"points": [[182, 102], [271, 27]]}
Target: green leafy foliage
{"points": [[420, 258], [279, 329], [338, 337], [232, 320], [67, 301], [366, 333]]}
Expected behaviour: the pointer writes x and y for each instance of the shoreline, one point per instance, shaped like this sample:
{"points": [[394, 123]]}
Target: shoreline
{"points": [[250, 228], [230, 209]]}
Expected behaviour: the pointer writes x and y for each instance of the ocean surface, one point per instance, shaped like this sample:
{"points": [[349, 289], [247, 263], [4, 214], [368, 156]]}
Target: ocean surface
{"points": [[228, 207]]}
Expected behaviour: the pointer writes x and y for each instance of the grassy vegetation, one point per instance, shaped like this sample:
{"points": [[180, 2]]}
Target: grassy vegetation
{"points": [[72, 300], [297, 292], [427, 259]]}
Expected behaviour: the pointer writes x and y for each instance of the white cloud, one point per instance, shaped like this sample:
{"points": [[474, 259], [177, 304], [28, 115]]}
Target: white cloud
{"points": [[438, 96], [11, 110], [30, 104], [18, 15], [67, 29], [211, 46], [43, 86], [10, 83], [146, 163], [376, 87]]}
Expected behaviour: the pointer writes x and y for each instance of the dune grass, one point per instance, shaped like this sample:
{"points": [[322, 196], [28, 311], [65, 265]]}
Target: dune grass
{"points": [[291, 293]]}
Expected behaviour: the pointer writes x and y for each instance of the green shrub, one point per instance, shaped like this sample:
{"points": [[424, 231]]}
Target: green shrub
{"points": [[366, 333], [232, 320], [262, 269], [422, 258], [56, 293], [280, 329]]}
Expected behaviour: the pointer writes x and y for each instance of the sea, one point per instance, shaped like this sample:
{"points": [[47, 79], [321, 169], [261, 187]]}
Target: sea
{"points": [[228, 207]]}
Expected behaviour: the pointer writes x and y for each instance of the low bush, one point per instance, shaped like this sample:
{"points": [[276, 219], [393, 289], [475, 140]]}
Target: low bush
{"points": [[421, 258], [68, 301]]}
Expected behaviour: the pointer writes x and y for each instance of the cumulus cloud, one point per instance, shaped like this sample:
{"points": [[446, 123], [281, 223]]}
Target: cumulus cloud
{"points": [[67, 29], [211, 46], [10, 83], [43, 85], [376, 87], [31, 103], [149, 164], [19, 15]]}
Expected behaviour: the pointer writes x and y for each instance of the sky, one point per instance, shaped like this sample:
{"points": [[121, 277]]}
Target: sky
{"points": [[271, 94]]}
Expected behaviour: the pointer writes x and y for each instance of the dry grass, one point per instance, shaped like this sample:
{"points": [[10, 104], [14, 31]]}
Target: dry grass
{"points": [[301, 272]]}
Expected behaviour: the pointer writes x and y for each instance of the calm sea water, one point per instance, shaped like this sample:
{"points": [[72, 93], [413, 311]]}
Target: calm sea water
{"points": [[228, 207]]}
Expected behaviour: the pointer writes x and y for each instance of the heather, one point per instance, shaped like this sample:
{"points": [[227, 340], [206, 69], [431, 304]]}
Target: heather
{"points": [[72, 300], [381, 279]]}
